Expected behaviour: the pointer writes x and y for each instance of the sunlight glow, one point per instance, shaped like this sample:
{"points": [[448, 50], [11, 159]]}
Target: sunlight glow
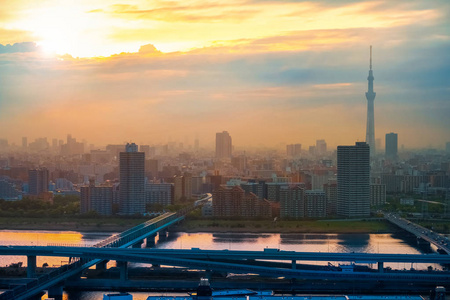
{"points": [[98, 28], [69, 29]]}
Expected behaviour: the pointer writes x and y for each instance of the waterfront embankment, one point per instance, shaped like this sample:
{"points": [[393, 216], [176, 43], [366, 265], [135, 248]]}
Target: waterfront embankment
{"points": [[201, 225]]}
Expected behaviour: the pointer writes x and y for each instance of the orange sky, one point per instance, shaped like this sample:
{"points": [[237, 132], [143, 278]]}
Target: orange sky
{"points": [[269, 72]]}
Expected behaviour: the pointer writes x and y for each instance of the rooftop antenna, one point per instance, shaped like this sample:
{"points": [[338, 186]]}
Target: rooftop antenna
{"points": [[371, 57]]}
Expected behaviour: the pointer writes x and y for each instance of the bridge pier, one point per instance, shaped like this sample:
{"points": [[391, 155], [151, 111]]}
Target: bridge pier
{"points": [[101, 265], [123, 267], [56, 292], [137, 245], [162, 235], [380, 267], [31, 266], [150, 241], [294, 264]]}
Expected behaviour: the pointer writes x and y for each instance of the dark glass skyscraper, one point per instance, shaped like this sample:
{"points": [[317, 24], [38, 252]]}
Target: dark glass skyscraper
{"points": [[391, 146]]}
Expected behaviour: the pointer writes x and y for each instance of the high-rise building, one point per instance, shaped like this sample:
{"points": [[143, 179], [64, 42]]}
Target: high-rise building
{"points": [[257, 188], [321, 147], [132, 181], [223, 145], [159, 193], [447, 147], [197, 184], [152, 168], [377, 194], [391, 146], [315, 204], [234, 202], [96, 198], [182, 187], [353, 180], [292, 202], [187, 186], [330, 190], [239, 162], [38, 180], [293, 150], [8, 191], [145, 149], [24, 142], [370, 96], [72, 147]]}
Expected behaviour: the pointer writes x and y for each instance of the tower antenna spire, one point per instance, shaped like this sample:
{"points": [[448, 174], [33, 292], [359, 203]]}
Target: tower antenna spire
{"points": [[371, 57]]}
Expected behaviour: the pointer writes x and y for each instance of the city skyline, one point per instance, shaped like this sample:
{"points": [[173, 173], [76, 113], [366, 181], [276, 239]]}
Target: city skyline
{"points": [[270, 73]]}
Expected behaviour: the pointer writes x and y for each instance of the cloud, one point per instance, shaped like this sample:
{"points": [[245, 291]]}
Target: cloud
{"points": [[282, 93], [286, 81], [19, 48]]}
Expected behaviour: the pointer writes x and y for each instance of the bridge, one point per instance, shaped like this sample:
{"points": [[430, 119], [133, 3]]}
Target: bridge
{"points": [[440, 241], [255, 262], [130, 238]]}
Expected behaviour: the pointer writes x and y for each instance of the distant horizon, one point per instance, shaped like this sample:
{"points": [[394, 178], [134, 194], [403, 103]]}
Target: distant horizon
{"points": [[268, 72], [210, 146]]}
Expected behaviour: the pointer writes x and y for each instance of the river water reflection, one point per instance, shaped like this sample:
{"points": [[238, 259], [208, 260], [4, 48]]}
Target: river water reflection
{"points": [[343, 243]]}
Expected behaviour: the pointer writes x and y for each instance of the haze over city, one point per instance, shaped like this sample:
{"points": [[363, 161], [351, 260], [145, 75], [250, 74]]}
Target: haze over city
{"points": [[269, 72]]}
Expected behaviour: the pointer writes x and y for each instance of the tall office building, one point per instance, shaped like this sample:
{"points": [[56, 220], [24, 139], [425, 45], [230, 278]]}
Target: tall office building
{"points": [[391, 146], [132, 181], [370, 95], [353, 180], [38, 180], [223, 145]]}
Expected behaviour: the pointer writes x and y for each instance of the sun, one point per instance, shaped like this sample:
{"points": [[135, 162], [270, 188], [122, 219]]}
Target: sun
{"points": [[67, 27]]}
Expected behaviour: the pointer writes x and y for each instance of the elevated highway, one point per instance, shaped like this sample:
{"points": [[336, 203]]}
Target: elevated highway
{"points": [[199, 254], [242, 262]]}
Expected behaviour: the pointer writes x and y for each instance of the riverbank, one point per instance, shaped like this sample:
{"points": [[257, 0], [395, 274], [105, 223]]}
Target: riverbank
{"points": [[72, 224], [252, 226], [313, 226]]}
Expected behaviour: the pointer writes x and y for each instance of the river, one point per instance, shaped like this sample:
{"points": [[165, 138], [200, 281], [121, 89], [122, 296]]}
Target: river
{"points": [[367, 243]]}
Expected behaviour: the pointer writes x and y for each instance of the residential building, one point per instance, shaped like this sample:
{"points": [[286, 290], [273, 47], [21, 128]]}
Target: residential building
{"points": [[96, 198], [315, 204], [353, 180], [132, 181], [292, 202], [159, 193], [377, 194], [38, 180]]}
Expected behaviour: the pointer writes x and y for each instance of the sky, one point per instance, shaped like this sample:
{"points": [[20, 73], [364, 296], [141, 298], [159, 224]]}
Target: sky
{"points": [[269, 72]]}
